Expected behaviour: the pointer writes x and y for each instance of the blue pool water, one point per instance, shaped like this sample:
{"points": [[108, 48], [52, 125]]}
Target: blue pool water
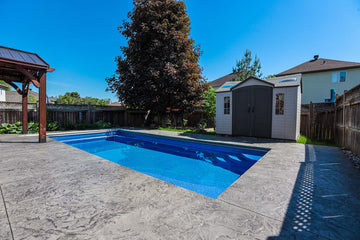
{"points": [[202, 168]]}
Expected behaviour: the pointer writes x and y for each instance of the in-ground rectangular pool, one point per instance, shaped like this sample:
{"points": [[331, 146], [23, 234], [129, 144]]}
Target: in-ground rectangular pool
{"points": [[203, 168]]}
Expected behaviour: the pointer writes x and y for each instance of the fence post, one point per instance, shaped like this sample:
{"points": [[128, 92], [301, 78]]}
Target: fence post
{"points": [[126, 118], [88, 115], [344, 130], [335, 119], [310, 123]]}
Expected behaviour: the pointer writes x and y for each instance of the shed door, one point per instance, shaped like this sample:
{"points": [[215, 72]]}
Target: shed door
{"points": [[241, 109], [252, 111], [262, 111]]}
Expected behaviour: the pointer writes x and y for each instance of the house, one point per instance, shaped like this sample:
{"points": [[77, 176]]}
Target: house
{"points": [[267, 108], [14, 97], [3, 93], [116, 104], [320, 75], [220, 81], [50, 100]]}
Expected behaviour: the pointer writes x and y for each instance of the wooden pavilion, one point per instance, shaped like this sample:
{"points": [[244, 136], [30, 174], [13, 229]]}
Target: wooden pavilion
{"points": [[27, 68]]}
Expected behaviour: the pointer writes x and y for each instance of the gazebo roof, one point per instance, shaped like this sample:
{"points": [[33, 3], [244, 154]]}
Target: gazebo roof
{"points": [[28, 59]]}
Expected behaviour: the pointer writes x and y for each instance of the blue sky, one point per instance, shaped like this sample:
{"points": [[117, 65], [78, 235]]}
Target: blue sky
{"points": [[80, 38]]}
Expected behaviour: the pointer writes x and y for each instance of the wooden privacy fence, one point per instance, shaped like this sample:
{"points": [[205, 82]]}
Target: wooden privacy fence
{"points": [[317, 121], [117, 116], [11, 112], [339, 121], [347, 128]]}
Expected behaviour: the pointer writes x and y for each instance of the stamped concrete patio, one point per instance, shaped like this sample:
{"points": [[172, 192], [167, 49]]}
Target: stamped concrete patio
{"points": [[55, 191]]}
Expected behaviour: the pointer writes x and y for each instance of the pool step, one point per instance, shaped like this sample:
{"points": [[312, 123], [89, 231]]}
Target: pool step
{"points": [[82, 139]]}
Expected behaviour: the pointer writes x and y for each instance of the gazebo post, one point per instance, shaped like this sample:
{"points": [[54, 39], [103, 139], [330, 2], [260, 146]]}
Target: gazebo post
{"points": [[42, 108], [24, 109]]}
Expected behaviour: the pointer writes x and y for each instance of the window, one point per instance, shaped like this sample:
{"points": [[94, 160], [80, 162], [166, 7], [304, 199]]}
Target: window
{"points": [[226, 105], [342, 76], [279, 104], [338, 77]]}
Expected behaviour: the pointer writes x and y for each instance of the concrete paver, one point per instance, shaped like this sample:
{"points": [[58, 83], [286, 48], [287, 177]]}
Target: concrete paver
{"points": [[55, 191]]}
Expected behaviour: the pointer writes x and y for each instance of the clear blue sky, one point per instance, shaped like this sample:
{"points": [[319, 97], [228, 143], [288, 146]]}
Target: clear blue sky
{"points": [[80, 38]]}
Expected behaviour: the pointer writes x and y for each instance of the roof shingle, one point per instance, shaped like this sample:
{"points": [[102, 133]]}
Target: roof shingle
{"points": [[319, 65], [220, 81]]}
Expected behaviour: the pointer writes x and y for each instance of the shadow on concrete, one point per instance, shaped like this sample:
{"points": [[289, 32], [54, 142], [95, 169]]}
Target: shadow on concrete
{"points": [[325, 202]]}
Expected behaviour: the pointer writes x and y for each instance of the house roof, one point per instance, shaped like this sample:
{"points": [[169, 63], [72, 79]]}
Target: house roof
{"points": [[226, 87], [116, 104], [14, 55], [13, 96], [319, 65], [220, 81], [278, 82], [3, 87]]}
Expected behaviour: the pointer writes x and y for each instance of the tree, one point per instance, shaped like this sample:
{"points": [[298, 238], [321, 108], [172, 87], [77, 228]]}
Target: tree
{"points": [[74, 98], [5, 84], [248, 66], [270, 76], [31, 99], [69, 98], [209, 105], [159, 66]]}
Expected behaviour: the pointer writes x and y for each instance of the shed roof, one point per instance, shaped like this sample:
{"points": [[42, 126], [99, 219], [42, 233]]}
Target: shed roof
{"points": [[319, 65], [278, 82], [293, 80], [14, 55]]}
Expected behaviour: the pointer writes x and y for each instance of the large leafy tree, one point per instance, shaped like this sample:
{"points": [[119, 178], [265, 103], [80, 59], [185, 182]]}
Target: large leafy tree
{"points": [[248, 66], [159, 67], [74, 98]]}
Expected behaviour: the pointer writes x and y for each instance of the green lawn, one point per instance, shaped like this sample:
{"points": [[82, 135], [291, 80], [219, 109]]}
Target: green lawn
{"points": [[188, 130], [304, 140]]}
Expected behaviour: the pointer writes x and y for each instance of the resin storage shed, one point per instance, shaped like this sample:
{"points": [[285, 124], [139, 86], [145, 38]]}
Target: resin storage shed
{"points": [[267, 108]]}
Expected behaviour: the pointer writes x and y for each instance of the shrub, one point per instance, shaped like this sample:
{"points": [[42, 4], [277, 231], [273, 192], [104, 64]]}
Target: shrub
{"points": [[185, 122], [33, 127], [53, 126], [101, 124], [11, 128], [202, 123]]}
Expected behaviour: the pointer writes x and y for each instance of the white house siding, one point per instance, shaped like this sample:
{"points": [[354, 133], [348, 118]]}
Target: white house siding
{"points": [[223, 121], [285, 126], [316, 86], [2, 95]]}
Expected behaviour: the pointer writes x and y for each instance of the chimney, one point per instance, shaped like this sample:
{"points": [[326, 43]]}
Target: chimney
{"points": [[316, 57]]}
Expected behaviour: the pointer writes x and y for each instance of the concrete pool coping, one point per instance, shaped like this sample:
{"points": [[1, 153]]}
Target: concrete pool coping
{"points": [[203, 141], [56, 191]]}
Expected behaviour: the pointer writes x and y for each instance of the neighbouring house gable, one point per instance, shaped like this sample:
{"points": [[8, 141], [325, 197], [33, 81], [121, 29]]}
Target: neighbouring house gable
{"points": [[12, 96]]}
